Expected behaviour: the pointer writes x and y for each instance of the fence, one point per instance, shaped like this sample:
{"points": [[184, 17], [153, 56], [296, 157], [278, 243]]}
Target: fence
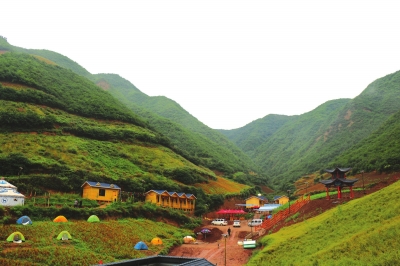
{"points": [[282, 215]]}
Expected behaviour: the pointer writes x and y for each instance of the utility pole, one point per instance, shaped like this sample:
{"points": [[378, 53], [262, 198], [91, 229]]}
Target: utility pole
{"points": [[362, 174], [225, 236], [288, 191]]}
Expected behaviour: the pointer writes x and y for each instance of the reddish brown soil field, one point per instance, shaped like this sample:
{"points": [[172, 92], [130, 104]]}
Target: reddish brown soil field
{"points": [[212, 247]]}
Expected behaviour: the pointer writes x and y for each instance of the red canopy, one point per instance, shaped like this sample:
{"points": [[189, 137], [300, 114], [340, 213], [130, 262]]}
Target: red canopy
{"points": [[231, 212]]}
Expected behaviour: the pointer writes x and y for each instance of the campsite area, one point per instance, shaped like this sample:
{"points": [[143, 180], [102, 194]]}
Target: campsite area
{"points": [[213, 247]]}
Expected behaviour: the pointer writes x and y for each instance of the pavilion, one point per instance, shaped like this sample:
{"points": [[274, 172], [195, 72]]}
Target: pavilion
{"points": [[338, 180], [231, 213]]}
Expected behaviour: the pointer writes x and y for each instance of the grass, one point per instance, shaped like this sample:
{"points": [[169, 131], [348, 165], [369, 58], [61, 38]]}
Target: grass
{"points": [[363, 231], [91, 242], [222, 186]]}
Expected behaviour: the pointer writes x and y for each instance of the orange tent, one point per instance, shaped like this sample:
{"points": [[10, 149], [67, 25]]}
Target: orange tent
{"points": [[156, 241], [60, 219]]}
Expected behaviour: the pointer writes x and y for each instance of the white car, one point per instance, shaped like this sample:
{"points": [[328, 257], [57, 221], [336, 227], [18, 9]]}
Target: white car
{"points": [[236, 223], [255, 222], [219, 222]]}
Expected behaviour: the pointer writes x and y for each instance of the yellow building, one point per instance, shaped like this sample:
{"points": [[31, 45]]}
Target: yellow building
{"points": [[281, 199], [180, 201], [100, 191], [256, 201]]}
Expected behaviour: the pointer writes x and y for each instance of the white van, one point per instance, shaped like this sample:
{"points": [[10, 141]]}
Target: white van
{"points": [[219, 222], [255, 222]]}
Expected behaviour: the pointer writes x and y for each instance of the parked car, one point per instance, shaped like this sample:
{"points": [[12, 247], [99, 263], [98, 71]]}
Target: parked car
{"points": [[219, 222], [255, 222], [236, 223]]}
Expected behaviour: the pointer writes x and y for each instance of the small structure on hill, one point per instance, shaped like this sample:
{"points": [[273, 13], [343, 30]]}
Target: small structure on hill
{"points": [[338, 180], [281, 199], [93, 219], [141, 246], [24, 220], [100, 191], [16, 237], [64, 235], [176, 200], [9, 196], [60, 219], [156, 241], [255, 201]]}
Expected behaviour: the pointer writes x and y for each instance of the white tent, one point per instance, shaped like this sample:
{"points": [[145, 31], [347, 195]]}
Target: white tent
{"points": [[5, 184], [9, 196]]}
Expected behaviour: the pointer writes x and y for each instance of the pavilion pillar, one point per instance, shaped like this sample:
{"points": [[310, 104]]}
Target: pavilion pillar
{"points": [[351, 192], [327, 193], [339, 192]]}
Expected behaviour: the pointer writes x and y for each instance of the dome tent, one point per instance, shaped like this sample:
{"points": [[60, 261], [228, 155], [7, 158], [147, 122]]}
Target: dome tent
{"points": [[60, 219], [93, 219], [156, 241], [24, 220], [188, 239], [64, 235], [16, 237], [140, 246]]}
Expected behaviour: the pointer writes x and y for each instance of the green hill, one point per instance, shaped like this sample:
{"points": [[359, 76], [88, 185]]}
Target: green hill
{"points": [[275, 150], [323, 137], [379, 151], [190, 137], [204, 145], [363, 231], [58, 129]]}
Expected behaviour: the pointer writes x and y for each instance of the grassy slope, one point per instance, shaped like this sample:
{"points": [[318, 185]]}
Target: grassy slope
{"points": [[221, 186], [210, 147], [57, 147], [378, 151], [257, 132], [200, 143], [91, 242], [364, 231], [283, 155], [318, 139]]}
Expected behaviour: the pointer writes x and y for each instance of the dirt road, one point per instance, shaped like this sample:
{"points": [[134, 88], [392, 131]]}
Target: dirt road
{"points": [[213, 247]]}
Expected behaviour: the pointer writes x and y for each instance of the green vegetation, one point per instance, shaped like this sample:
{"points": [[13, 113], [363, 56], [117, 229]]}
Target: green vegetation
{"points": [[68, 91], [361, 133], [379, 151], [364, 231], [59, 130], [201, 144], [106, 241]]}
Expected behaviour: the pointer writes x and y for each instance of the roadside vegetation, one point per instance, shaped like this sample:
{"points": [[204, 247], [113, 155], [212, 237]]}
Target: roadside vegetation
{"points": [[363, 231]]}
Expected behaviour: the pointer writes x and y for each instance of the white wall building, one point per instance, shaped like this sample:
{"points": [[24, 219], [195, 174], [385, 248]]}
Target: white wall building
{"points": [[9, 196]]}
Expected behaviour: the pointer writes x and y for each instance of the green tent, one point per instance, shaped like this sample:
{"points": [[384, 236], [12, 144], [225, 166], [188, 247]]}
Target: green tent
{"points": [[16, 237], [93, 219], [64, 235]]}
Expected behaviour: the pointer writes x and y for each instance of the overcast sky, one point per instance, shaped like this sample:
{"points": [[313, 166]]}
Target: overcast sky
{"points": [[226, 62]]}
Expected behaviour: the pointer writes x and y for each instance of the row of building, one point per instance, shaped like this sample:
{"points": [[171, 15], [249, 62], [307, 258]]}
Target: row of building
{"points": [[104, 192]]}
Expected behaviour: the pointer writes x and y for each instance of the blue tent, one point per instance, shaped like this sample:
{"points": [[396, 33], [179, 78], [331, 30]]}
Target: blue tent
{"points": [[141, 246], [25, 220]]}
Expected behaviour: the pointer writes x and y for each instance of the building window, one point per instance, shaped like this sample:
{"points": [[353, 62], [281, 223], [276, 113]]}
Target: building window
{"points": [[102, 192]]}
